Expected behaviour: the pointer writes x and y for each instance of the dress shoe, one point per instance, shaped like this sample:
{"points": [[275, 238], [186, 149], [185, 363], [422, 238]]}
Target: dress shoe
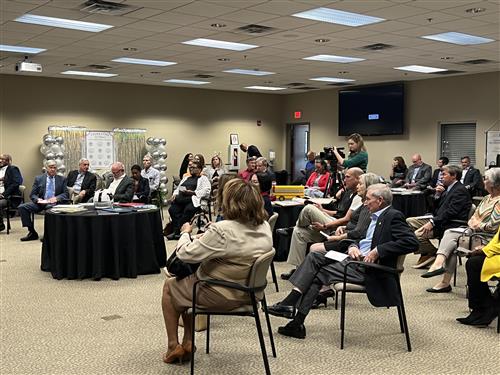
{"points": [[474, 315], [285, 231], [175, 355], [446, 289], [424, 261], [283, 311], [485, 318], [322, 298], [293, 330], [436, 272], [32, 236], [286, 276], [171, 236]]}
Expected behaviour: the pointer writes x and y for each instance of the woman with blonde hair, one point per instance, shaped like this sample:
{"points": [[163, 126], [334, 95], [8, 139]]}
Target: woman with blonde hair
{"points": [[358, 156], [227, 251]]}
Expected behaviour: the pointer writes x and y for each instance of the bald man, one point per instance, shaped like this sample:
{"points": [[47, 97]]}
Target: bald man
{"points": [[122, 186], [419, 174]]}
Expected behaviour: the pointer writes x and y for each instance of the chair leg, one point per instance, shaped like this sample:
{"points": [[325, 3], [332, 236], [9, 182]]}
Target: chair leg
{"points": [[273, 274], [336, 300], [8, 222], [269, 329], [259, 333], [207, 348], [193, 318], [400, 320], [342, 317], [403, 316]]}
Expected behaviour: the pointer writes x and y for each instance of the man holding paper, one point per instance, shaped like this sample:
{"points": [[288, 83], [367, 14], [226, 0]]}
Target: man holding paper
{"points": [[48, 190], [388, 237]]}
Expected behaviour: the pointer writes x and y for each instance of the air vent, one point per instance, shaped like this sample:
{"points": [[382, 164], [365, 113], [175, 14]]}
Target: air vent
{"points": [[107, 7], [446, 72], [196, 72], [295, 84], [204, 76], [338, 84], [99, 67], [376, 47], [306, 88], [255, 29], [477, 62]]}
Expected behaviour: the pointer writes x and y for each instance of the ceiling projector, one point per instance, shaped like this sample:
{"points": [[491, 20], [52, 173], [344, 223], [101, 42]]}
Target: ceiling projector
{"points": [[24, 66]]}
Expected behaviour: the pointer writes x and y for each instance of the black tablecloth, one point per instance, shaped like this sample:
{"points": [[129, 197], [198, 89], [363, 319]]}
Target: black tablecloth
{"points": [[287, 218], [87, 245], [410, 204]]}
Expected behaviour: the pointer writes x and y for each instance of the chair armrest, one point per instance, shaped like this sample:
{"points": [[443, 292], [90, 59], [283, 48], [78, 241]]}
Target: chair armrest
{"points": [[375, 266], [225, 284]]}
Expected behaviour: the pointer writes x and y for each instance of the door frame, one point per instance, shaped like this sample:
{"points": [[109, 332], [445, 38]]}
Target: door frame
{"points": [[289, 143]]}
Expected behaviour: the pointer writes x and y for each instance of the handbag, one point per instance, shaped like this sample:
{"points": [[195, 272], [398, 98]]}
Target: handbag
{"points": [[178, 268], [168, 229]]}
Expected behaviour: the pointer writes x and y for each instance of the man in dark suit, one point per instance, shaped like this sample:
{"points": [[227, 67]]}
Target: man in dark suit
{"points": [[252, 150], [387, 237], [471, 177], [10, 179], [437, 175], [419, 174], [452, 202], [48, 190], [82, 181], [122, 186]]}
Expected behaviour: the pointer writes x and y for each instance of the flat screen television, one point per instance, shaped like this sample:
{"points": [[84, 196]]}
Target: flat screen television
{"points": [[372, 110]]}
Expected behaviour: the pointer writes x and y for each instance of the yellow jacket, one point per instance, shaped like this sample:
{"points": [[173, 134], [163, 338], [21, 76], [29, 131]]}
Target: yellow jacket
{"points": [[491, 265]]}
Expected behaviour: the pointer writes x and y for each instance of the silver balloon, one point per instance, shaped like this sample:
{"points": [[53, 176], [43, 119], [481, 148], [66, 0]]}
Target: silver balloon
{"points": [[55, 148], [44, 149], [59, 140], [62, 148], [164, 179], [46, 136], [59, 155], [50, 155], [161, 148], [156, 141], [163, 155], [163, 141], [61, 169], [162, 168], [162, 161], [155, 154], [49, 141], [149, 141], [156, 166], [59, 163]]}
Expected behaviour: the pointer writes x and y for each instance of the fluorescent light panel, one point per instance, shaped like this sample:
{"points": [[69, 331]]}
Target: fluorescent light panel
{"points": [[268, 88], [458, 38], [249, 72], [90, 74], [333, 58], [186, 81], [339, 17], [331, 79], [63, 23], [212, 43], [420, 69], [20, 49], [129, 60]]}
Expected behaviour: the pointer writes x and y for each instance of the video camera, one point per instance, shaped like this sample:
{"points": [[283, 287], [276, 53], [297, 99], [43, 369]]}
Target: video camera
{"points": [[327, 154]]}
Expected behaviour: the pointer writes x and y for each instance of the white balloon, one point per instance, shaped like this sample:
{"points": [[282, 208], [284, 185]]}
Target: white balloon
{"points": [[55, 148], [161, 148], [60, 140], [59, 155], [59, 163], [44, 149], [162, 161], [156, 166], [50, 155], [163, 179]]}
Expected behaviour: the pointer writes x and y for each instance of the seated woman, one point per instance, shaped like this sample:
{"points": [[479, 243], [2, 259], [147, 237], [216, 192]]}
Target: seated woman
{"points": [[201, 159], [224, 179], [141, 185], [398, 172], [184, 165], [316, 184], [226, 251], [216, 169], [265, 183], [186, 199], [483, 265], [486, 219]]}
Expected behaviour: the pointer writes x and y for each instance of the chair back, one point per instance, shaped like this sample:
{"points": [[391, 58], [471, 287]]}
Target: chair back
{"points": [[258, 273], [272, 221], [400, 263], [471, 211]]}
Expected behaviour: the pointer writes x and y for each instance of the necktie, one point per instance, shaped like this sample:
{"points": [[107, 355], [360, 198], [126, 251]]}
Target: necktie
{"points": [[50, 188]]}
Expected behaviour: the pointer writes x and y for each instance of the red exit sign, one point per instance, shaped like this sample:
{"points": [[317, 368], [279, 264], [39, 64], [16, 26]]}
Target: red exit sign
{"points": [[297, 115]]}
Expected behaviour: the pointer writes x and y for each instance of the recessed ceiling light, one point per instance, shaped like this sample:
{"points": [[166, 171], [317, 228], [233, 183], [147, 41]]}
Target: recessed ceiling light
{"points": [[331, 79], [475, 10], [90, 74], [339, 17], [133, 49], [458, 38], [218, 25], [20, 49], [268, 88], [420, 69], [321, 40], [249, 72], [224, 59], [129, 60], [333, 58], [63, 23], [186, 81], [212, 43]]}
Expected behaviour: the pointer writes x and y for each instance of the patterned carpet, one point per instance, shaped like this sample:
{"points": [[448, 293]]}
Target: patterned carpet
{"points": [[57, 327]]}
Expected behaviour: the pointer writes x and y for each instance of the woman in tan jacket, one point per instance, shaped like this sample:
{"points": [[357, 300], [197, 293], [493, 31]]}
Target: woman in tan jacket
{"points": [[226, 251]]}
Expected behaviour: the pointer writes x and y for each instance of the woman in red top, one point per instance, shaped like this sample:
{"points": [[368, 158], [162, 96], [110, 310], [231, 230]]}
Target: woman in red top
{"points": [[316, 184]]}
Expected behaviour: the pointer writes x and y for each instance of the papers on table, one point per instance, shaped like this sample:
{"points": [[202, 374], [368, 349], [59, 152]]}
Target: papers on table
{"points": [[403, 191], [335, 255], [300, 201], [67, 208], [287, 203]]}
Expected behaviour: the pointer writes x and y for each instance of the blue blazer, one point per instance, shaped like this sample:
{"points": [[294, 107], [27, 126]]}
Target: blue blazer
{"points": [[38, 189]]}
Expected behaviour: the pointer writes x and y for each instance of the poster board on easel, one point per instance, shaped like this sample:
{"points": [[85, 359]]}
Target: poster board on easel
{"points": [[100, 149], [234, 157], [492, 147]]}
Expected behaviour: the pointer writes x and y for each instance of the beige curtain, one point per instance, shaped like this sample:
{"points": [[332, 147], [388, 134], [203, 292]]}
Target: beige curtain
{"points": [[129, 146], [74, 144]]}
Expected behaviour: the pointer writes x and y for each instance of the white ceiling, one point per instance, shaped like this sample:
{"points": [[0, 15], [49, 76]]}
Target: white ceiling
{"points": [[158, 27]]}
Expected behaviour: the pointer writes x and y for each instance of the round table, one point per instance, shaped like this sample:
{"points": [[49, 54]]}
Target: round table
{"points": [[410, 205]]}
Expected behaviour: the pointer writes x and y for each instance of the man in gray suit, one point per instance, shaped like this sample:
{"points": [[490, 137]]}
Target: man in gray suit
{"points": [[122, 186], [48, 190], [419, 174]]}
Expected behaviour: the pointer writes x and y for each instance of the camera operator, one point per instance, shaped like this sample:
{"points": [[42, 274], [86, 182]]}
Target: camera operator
{"points": [[358, 157]]}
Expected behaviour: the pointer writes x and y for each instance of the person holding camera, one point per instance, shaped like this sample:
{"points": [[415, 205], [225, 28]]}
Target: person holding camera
{"points": [[358, 156]]}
